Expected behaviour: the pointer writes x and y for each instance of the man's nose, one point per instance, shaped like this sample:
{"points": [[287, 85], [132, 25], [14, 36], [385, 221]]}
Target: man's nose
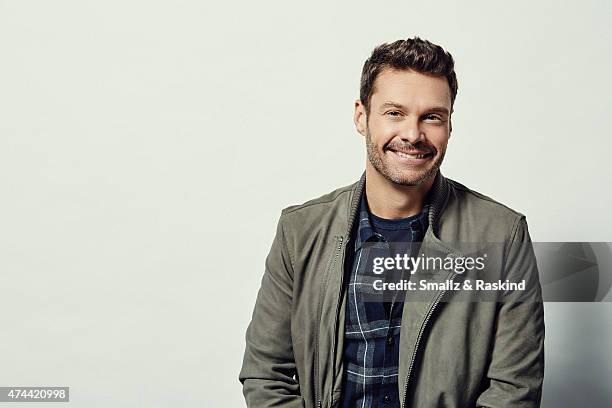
{"points": [[412, 131]]}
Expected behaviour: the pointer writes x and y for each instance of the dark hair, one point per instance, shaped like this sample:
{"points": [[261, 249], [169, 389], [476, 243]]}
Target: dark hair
{"points": [[414, 54]]}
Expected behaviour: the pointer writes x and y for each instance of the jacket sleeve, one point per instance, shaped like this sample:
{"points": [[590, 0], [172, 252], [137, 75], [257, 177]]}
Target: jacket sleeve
{"points": [[516, 370], [268, 368]]}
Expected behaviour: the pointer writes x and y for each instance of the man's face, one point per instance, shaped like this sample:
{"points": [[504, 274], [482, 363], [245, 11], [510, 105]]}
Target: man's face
{"points": [[408, 127]]}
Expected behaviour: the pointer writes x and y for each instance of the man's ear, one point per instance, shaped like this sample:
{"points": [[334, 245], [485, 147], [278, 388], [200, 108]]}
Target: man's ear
{"points": [[360, 118]]}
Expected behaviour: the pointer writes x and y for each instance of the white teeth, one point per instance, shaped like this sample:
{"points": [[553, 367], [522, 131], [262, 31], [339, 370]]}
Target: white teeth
{"points": [[408, 155]]}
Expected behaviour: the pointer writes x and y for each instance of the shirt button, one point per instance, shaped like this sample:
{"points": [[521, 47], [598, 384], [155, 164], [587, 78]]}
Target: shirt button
{"points": [[387, 398], [389, 342]]}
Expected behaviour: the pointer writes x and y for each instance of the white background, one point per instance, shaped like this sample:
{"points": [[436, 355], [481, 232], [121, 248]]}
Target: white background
{"points": [[147, 148]]}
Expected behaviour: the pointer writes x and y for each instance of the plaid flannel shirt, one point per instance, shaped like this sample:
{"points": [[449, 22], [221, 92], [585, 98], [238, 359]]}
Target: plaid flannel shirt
{"points": [[372, 329]]}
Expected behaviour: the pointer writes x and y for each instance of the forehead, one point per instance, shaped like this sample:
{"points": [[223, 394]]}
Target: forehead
{"points": [[410, 88]]}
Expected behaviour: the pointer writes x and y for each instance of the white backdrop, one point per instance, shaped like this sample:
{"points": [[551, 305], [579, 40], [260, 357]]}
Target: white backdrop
{"points": [[147, 148]]}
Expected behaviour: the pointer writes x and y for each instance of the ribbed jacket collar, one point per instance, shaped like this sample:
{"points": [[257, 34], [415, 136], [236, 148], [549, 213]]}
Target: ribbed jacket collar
{"points": [[437, 198]]}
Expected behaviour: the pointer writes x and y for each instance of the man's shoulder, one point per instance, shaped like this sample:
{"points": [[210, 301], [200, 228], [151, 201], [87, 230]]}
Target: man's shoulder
{"points": [[341, 195], [482, 202], [471, 214], [327, 214]]}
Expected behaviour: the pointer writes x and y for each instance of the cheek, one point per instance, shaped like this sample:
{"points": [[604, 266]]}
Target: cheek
{"points": [[381, 132], [438, 137]]}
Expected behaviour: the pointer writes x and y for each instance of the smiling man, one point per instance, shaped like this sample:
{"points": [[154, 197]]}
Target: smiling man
{"points": [[321, 337]]}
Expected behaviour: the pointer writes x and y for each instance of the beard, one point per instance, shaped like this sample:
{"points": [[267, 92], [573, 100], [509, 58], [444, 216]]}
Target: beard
{"points": [[401, 175]]}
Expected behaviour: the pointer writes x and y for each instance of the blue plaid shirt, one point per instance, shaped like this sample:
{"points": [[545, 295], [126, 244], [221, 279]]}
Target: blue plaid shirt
{"points": [[372, 329]]}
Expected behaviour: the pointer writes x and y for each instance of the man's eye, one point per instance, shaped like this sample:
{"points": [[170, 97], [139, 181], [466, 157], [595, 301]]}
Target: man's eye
{"points": [[433, 117], [394, 113]]}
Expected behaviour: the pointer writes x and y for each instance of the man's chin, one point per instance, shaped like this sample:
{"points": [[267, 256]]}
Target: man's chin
{"points": [[410, 178]]}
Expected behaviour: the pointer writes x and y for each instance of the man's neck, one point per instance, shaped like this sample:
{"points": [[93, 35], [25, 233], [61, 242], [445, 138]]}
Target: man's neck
{"points": [[393, 201]]}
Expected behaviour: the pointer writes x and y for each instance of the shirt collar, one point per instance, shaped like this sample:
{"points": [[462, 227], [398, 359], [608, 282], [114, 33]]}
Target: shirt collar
{"points": [[367, 233]]}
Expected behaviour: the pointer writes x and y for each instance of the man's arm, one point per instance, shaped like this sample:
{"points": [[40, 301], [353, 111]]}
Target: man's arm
{"points": [[268, 365], [516, 371]]}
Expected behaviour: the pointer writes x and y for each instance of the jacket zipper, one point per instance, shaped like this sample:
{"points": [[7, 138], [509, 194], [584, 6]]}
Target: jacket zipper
{"points": [[334, 342], [422, 328], [352, 215], [318, 386]]}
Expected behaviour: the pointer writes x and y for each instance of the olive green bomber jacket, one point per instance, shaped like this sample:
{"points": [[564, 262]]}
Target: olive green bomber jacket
{"points": [[452, 354]]}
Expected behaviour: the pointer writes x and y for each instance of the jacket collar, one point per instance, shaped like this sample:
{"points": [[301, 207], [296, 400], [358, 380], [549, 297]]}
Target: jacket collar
{"points": [[437, 198], [365, 232]]}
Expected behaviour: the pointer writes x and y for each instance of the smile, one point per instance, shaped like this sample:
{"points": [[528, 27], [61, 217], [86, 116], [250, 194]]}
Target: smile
{"points": [[408, 155], [412, 156]]}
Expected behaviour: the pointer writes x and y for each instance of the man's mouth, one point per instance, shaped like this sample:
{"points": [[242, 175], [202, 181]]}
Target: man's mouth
{"points": [[412, 154]]}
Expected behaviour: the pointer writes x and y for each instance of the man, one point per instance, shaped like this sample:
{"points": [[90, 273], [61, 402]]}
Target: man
{"points": [[317, 340]]}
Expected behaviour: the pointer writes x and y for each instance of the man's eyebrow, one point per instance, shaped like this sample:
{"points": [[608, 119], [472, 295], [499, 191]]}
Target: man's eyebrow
{"points": [[392, 105], [438, 109]]}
